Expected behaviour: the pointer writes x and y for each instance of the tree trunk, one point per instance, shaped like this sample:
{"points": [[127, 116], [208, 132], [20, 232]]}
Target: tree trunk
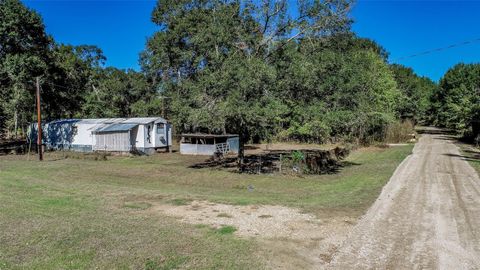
{"points": [[15, 109], [15, 119]]}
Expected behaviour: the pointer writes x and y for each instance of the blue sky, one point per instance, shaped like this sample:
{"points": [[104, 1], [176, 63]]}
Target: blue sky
{"points": [[120, 29]]}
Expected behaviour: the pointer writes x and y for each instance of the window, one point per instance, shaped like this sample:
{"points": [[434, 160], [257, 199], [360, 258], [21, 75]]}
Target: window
{"points": [[74, 130], [160, 128]]}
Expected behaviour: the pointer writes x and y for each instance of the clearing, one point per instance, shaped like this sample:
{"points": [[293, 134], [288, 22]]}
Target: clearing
{"points": [[156, 213]]}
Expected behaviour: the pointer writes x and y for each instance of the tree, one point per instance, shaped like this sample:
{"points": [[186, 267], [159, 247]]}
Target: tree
{"points": [[416, 93], [457, 100], [213, 59], [117, 93], [333, 87], [24, 54], [72, 75], [74, 82]]}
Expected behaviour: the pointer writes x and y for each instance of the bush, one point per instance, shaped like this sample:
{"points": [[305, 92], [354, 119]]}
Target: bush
{"points": [[341, 124], [372, 127], [399, 132], [297, 156], [315, 131]]}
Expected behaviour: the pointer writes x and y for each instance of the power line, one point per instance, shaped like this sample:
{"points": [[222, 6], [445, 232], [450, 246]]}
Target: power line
{"points": [[439, 49]]}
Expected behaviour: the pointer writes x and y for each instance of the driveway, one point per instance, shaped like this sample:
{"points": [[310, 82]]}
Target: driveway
{"points": [[427, 216]]}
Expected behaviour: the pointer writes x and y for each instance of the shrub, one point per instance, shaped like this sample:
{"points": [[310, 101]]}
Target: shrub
{"points": [[399, 131], [315, 131], [297, 156], [371, 127]]}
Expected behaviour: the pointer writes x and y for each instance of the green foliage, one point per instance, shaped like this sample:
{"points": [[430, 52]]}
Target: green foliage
{"points": [[253, 69], [246, 67], [24, 47], [72, 78], [456, 101], [118, 93], [416, 91], [297, 156]]}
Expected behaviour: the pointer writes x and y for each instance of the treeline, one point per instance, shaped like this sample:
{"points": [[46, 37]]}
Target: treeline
{"points": [[246, 67], [254, 68], [74, 82], [455, 104]]}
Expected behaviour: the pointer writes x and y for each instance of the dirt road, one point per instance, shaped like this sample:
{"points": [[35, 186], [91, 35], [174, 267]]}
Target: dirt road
{"points": [[427, 216]]}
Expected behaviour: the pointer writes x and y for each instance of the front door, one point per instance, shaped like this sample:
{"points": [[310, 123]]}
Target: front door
{"points": [[161, 138]]}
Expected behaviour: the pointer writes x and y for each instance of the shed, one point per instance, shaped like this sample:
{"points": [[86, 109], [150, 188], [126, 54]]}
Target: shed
{"points": [[208, 144], [141, 135]]}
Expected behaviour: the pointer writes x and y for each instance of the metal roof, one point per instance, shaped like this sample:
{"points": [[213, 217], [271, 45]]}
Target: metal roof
{"points": [[202, 135], [145, 120], [136, 120], [64, 121], [115, 128]]}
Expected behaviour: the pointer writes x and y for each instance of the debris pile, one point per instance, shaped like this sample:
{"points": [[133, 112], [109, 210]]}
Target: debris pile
{"points": [[282, 161], [13, 147]]}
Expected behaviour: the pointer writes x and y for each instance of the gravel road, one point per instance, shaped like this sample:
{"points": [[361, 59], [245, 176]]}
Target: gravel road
{"points": [[427, 216]]}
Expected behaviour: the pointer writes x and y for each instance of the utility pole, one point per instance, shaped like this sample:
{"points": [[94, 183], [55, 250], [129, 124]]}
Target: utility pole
{"points": [[39, 124]]}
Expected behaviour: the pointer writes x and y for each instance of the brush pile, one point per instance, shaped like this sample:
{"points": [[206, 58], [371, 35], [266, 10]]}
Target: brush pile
{"points": [[13, 147], [282, 161]]}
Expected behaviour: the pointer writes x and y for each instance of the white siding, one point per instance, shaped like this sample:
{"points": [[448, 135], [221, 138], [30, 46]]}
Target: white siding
{"points": [[140, 140], [147, 134], [84, 135], [197, 149]]}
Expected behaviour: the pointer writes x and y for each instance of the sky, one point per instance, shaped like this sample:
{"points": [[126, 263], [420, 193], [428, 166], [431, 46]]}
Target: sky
{"points": [[403, 28]]}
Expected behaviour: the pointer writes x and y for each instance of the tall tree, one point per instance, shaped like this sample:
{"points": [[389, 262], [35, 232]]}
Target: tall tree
{"points": [[212, 58], [416, 93], [457, 100], [115, 93], [24, 54]]}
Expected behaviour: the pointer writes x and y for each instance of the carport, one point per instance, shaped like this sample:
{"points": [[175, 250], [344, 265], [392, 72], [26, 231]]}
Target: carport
{"points": [[115, 137]]}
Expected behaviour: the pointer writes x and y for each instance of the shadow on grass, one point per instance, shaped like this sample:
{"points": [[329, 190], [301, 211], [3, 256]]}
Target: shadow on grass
{"points": [[345, 164]]}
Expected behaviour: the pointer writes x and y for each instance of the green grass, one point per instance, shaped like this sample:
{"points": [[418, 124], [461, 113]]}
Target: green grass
{"points": [[84, 214], [472, 155], [180, 201], [138, 205], [226, 230]]}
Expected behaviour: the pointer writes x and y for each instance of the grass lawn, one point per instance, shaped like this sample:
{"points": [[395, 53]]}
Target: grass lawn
{"points": [[82, 213]]}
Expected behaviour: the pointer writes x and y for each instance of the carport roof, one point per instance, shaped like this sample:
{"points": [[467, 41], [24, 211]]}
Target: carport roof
{"points": [[115, 128], [136, 120], [207, 136]]}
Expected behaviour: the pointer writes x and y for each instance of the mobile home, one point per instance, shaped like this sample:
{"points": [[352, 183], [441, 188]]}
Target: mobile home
{"points": [[139, 135]]}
